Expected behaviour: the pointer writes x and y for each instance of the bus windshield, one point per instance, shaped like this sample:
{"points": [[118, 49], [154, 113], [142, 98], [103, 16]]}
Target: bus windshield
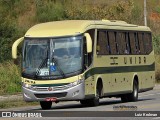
{"points": [[60, 57]]}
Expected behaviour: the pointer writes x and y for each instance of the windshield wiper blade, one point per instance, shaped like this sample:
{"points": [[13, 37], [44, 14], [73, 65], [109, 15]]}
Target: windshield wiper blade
{"points": [[41, 65], [60, 70]]}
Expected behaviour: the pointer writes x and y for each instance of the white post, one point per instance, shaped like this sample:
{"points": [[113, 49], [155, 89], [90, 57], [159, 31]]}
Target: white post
{"points": [[145, 13]]}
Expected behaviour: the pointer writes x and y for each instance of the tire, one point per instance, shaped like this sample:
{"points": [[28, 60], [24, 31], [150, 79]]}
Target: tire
{"points": [[45, 105], [124, 98], [95, 100], [84, 102], [131, 97]]}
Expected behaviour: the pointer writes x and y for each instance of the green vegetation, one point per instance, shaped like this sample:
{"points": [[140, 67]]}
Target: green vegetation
{"points": [[48, 11], [17, 16], [15, 103], [10, 81], [156, 43]]}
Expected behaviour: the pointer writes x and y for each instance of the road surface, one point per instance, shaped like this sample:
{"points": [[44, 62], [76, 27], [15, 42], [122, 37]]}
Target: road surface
{"points": [[148, 101]]}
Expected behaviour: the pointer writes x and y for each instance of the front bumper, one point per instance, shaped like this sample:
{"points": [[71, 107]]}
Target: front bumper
{"points": [[73, 93]]}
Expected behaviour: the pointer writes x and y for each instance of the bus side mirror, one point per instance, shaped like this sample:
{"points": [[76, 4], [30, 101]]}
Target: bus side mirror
{"points": [[14, 47], [88, 42]]}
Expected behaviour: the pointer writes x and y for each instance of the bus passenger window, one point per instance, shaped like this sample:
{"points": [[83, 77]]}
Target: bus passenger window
{"points": [[112, 42], [102, 43], [148, 42], [141, 43], [132, 43], [117, 43], [137, 43], [121, 42]]}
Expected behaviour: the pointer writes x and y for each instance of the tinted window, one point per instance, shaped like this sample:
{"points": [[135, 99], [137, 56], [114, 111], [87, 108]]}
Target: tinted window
{"points": [[141, 43], [121, 39], [132, 42], [122, 42], [137, 43], [148, 42], [102, 43], [112, 41]]}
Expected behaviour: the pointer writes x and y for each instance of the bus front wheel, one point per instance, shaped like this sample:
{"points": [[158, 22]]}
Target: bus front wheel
{"points": [[84, 102], [95, 100], [46, 105]]}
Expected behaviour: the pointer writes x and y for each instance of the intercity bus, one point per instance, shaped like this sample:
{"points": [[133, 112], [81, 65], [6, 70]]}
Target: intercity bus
{"points": [[85, 60]]}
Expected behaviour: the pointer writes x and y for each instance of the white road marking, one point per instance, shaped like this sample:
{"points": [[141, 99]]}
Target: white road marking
{"points": [[149, 95], [156, 118], [146, 95]]}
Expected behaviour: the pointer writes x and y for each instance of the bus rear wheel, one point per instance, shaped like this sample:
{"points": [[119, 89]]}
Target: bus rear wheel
{"points": [[124, 98], [46, 105], [134, 95], [131, 97]]}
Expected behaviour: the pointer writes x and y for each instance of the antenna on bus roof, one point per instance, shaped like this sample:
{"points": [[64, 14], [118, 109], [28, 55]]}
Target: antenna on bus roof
{"points": [[105, 20], [118, 21]]}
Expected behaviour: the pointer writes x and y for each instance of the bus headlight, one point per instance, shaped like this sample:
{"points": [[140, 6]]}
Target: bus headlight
{"points": [[76, 82], [26, 85]]}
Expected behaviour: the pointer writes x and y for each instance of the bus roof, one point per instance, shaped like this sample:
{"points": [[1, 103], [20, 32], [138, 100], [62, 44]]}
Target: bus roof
{"points": [[75, 27]]}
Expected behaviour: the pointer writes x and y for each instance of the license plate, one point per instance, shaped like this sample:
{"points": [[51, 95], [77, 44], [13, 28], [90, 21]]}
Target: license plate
{"points": [[51, 99]]}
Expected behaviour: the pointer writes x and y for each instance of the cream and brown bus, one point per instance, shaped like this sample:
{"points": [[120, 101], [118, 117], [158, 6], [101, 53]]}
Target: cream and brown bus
{"points": [[85, 60]]}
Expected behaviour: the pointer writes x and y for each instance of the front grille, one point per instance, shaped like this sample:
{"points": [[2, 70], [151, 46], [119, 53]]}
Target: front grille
{"points": [[55, 88], [57, 95]]}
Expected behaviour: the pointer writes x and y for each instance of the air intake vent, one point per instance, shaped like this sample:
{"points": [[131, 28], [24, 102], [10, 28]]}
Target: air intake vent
{"points": [[57, 95]]}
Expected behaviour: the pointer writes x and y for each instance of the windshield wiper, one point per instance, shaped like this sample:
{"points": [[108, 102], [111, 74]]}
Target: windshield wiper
{"points": [[60, 70], [41, 65]]}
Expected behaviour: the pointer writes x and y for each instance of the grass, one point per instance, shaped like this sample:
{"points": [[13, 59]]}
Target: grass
{"points": [[15, 103], [157, 67], [10, 80]]}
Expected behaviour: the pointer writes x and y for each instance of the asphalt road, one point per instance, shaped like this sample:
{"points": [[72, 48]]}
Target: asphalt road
{"points": [[148, 101]]}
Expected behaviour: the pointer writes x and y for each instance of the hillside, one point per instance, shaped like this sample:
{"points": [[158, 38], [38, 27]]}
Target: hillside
{"points": [[19, 15]]}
